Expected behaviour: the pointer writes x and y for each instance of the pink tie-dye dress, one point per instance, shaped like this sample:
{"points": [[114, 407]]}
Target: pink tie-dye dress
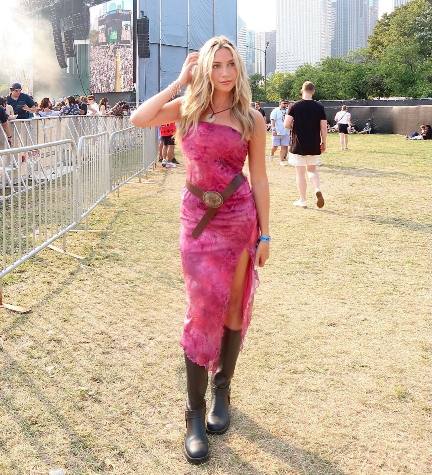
{"points": [[214, 154]]}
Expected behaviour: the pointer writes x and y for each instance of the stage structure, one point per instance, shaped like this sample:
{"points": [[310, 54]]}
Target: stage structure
{"points": [[178, 27], [115, 47], [70, 21]]}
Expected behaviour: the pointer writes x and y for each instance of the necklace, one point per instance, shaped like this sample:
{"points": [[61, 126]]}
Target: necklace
{"points": [[211, 117]]}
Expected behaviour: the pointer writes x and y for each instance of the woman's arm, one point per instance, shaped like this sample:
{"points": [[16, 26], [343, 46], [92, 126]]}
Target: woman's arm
{"points": [[259, 184], [158, 110]]}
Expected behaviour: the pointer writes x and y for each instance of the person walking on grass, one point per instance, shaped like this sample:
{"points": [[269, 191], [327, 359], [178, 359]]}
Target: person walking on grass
{"points": [[307, 120], [167, 132], [343, 121], [224, 223], [280, 135]]}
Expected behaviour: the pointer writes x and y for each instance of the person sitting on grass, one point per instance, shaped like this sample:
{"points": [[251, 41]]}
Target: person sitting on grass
{"points": [[367, 129], [425, 133]]}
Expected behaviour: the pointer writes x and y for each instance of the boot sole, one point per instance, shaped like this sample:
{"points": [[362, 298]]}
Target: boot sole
{"points": [[217, 432], [195, 461]]}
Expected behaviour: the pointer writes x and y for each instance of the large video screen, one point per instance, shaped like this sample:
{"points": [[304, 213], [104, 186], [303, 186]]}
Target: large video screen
{"points": [[111, 48]]}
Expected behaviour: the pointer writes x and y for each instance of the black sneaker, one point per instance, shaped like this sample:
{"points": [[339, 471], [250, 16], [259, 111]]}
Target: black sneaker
{"points": [[175, 161]]}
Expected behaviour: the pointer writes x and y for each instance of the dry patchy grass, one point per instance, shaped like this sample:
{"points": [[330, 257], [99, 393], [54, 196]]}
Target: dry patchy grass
{"points": [[335, 377]]}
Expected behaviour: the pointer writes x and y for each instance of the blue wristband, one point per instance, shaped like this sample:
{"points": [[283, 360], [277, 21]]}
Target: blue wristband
{"points": [[265, 238]]}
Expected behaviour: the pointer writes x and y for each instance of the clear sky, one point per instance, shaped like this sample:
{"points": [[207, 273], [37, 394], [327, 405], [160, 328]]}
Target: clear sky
{"points": [[259, 15]]}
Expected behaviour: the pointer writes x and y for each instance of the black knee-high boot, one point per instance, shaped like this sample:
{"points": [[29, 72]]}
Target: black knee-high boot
{"points": [[196, 447], [218, 419]]}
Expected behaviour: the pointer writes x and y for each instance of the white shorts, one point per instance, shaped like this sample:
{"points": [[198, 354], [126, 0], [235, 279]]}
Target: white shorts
{"points": [[303, 160]]}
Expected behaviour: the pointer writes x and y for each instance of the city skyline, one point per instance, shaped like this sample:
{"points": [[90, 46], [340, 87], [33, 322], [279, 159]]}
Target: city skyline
{"points": [[337, 28], [261, 16]]}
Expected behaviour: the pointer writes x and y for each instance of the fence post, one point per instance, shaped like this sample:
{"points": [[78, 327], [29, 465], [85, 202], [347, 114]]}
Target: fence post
{"points": [[76, 177]]}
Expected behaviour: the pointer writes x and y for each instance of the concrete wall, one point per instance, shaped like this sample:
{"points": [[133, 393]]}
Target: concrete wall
{"points": [[387, 117]]}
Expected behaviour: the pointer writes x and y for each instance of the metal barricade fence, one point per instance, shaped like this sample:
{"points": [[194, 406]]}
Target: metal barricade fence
{"points": [[132, 152], [93, 173], [40, 130], [38, 205], [47, 189]]}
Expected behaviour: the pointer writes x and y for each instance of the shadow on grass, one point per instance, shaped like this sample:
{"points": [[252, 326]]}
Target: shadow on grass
{"points": [[19, 320], [83, 457], [294, 458], [366, 172], [396, 222]]}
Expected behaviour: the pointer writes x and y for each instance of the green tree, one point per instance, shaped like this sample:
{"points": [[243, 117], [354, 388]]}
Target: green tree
{"points": [[401, 69], [279, 86], [307, 72], [400, 51], [376, 84], [256, 82], [411, 22]]}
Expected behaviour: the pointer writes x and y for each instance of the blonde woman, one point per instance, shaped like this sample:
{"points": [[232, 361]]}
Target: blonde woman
{"points": [[224, 223]]}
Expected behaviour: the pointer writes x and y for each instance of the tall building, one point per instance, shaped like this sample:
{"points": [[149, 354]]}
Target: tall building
{"points": [[260, 45], [270, 37], [242, 39], [303, 36], [373, 14], [265, 50], [250, 52], [352, 25], [246, 40]]}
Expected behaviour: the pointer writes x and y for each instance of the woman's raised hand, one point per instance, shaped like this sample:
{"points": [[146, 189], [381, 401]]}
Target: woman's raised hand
{"points": [[185, 76]]}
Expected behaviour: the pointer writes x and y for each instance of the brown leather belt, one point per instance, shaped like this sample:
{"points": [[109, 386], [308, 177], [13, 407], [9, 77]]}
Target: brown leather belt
{"points": [[213, 200]]}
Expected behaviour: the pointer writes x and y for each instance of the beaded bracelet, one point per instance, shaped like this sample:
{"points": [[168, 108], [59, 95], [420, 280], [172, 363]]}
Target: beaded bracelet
{"points": [[265, 238]]}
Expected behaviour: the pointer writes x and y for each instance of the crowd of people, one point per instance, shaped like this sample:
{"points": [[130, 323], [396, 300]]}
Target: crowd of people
{"points": [[103, 68], [19, 105]]}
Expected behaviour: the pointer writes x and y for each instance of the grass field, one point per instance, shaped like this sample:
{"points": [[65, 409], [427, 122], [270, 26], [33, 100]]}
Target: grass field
{"points": [[335, 377]]}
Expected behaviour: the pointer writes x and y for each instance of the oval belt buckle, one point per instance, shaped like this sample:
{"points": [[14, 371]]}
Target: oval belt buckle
{"points": [[212, 199]]}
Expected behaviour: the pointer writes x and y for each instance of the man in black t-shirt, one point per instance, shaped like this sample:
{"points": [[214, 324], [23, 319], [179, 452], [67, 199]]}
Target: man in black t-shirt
{"points": [[308, 122], [23, 105]]}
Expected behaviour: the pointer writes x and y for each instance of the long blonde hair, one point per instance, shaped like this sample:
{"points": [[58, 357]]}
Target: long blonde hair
{"points": [[199, 93]]}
